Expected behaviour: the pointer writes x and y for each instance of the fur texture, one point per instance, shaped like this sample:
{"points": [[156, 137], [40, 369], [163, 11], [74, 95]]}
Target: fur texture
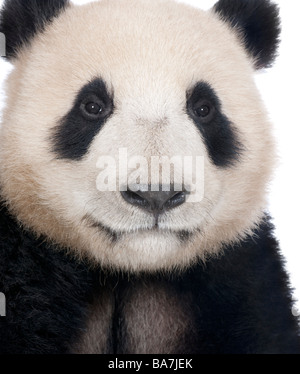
{"points": [[258, 23], [237, 303], [21, 20], [46, 292]]}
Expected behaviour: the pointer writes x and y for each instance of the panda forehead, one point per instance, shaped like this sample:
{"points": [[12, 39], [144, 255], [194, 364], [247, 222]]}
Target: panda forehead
{"points": [[135, 44]]}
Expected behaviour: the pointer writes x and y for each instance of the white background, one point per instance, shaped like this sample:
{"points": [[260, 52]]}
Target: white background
{"points": [[279, 87]]}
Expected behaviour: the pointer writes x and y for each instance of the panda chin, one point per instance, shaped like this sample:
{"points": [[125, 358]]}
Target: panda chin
{"points": [[182, 235]]}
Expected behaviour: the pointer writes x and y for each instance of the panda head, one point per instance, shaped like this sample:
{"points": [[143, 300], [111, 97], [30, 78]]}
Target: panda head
{"points": [[133, 131]]}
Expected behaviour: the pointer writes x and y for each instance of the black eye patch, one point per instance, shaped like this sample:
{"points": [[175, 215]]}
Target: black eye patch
{"points": [[218, 133], [75, 132]]}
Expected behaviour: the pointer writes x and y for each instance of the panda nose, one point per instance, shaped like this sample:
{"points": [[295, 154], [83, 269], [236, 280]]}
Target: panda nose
{"points": [[154, 202]]}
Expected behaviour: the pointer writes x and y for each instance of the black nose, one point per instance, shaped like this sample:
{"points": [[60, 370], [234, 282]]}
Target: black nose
{"points": [[154, 201]]}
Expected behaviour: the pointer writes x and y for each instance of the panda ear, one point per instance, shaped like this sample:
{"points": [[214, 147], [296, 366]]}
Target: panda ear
{"points": [[21, 20], [258, 23]]}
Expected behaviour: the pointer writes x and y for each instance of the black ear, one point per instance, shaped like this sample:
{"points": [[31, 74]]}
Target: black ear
{"points": [[258, 23], [20, 20]]}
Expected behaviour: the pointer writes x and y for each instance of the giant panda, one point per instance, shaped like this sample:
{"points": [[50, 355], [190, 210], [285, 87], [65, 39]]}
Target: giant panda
{"points": [[131, 266]]}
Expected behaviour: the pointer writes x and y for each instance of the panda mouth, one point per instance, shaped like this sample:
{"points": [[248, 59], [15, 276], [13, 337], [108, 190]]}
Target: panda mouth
{"points": [[114, 236]]}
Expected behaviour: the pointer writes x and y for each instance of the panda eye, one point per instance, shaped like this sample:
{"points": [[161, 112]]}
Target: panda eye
{"points": [[203, 110], [93, 108]]}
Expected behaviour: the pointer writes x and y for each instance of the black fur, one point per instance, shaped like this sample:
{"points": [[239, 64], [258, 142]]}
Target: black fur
{"points": [[20, 21], [240, 301], [219, 135], [75, 132], [259, 24], [46, 293]]}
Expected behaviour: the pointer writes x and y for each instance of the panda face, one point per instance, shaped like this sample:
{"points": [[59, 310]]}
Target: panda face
{"points": [[135, 80]]}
